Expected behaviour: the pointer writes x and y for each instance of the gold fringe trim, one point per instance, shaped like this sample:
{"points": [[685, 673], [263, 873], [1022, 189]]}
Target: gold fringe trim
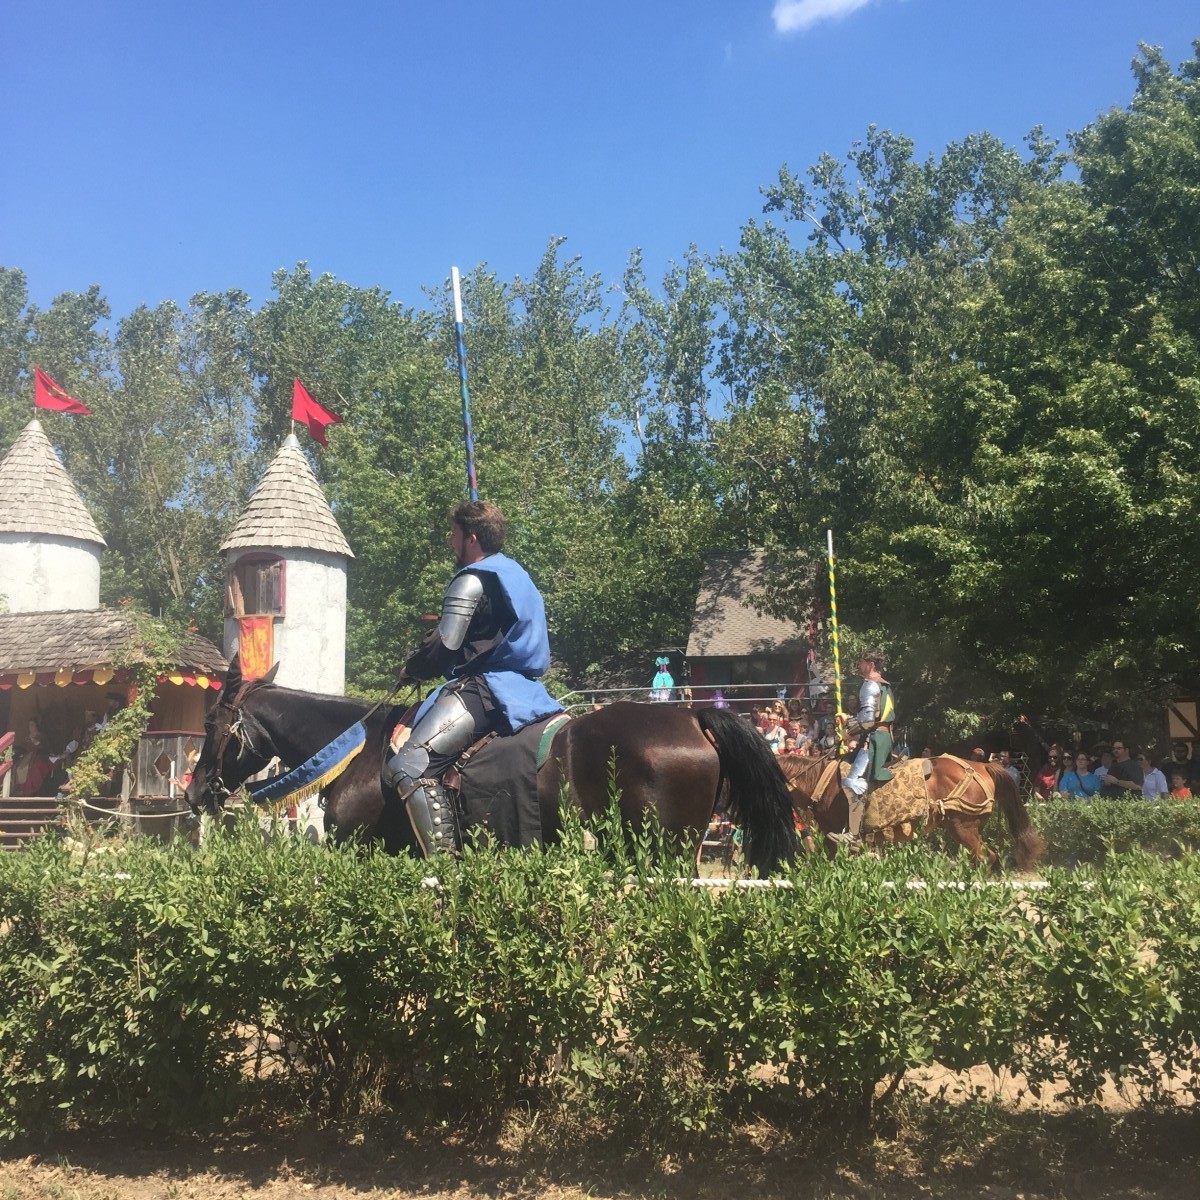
{"points": [[308, 790]]}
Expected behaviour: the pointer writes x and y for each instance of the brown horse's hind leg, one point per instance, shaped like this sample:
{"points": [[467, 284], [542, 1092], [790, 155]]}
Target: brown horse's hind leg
{"points": [[968, 832]]}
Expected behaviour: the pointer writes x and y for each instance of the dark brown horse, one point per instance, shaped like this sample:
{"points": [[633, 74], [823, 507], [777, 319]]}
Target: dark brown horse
{"points": [[949, 777], [667, 760]]}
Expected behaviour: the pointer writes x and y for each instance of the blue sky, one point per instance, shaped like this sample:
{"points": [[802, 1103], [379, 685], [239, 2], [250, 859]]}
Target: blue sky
{"points": [[160, 149]]}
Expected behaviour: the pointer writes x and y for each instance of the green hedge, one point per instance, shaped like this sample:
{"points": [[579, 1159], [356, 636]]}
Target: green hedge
{"points": [[1079, 831], [170, 986], [1087, 831]]}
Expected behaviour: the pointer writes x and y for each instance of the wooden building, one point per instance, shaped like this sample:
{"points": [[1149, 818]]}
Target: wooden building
{"points": [[735, 646], [62, 656], [63, 669]]}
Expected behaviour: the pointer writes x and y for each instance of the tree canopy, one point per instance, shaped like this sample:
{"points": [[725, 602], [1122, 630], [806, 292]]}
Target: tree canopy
{"points": [[980, 368]]}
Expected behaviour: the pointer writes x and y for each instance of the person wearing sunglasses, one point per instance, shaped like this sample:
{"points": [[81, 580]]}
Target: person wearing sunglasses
{"points": [[1045, 778], [1125, 775]]}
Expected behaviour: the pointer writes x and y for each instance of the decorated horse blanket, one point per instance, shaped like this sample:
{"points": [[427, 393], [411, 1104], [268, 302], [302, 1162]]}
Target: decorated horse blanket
{"points": [[904, 799]]}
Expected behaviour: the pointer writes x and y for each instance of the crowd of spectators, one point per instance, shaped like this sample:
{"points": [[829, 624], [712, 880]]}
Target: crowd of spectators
{"points": [[1114, 769], [1110, 769], [796, 726]]}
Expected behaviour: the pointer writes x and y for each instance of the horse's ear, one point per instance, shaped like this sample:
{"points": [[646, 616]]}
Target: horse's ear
{"points": [[269, 677], [233, 677]]}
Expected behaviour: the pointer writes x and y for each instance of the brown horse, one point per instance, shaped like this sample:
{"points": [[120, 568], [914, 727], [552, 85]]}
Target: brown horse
{"points": [[948, 777], [664, 760]]}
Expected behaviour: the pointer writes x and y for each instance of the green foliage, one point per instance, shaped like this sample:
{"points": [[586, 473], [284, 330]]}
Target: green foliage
{"points": [[153, 650], [173, 987], [980, 368], [1088, 832], [983, 374], [1101, 1009]]}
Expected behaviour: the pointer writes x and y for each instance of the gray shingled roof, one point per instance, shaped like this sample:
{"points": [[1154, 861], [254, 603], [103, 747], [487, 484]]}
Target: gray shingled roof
{"points": [[75, 640], [288, 508], [725, 624], [36, 493]]}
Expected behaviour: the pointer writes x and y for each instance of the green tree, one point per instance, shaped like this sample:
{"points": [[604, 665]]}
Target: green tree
{"points": [[982, 375]]}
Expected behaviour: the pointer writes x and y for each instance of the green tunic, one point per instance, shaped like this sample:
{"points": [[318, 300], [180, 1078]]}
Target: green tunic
{"points": [[879, 744]]}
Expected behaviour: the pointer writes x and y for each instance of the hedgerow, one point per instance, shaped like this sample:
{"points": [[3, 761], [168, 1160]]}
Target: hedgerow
{"points": [[1087, 831], [176, 987]]}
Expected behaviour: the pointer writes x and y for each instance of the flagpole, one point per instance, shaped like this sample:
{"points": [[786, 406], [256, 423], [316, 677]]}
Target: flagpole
{"points": [[461, 345], [833, 628]]}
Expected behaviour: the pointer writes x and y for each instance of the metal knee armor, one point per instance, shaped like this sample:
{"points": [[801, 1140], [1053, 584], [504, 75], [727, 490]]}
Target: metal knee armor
{"points": [[445, 729]]}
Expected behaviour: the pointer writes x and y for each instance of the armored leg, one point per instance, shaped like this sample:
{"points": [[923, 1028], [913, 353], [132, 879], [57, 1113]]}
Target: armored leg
{"points": [[444, 730], [855, 787], [856, 780]]}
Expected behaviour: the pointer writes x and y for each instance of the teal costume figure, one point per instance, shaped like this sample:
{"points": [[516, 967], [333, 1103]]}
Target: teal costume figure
{"points": [[663, 688]]}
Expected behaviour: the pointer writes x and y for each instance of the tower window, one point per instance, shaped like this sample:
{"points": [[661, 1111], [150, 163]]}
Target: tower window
{"points": [[254, 588]]}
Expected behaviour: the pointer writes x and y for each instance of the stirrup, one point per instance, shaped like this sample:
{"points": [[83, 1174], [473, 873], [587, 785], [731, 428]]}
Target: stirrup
{"points": [[845, 838]]}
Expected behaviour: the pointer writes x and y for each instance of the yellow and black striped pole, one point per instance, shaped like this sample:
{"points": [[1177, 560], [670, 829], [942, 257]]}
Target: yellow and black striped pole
{"points": [[833, 629]]}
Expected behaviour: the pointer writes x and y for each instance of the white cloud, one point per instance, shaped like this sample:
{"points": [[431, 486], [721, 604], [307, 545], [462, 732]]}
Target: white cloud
{"points": [[794, 16]]}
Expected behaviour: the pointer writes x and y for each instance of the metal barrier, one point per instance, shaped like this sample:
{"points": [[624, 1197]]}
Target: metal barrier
{"points": [[740, 694]]}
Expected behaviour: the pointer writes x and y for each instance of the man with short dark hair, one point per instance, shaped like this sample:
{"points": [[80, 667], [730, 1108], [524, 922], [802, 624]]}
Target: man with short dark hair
{"points": [[492, 642], [1124, 776], [1005, 760]]}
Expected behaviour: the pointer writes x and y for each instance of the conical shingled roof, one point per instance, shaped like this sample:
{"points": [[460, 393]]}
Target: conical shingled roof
{"points": [[36, 493], [288, 508]]}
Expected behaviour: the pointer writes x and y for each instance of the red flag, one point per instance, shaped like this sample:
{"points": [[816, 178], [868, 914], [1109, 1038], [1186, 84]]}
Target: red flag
{"points": [[47, 394], [315, 416]]}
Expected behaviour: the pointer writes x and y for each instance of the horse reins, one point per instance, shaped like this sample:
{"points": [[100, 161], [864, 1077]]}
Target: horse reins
{"points": [[235, 730], [830, 759]]}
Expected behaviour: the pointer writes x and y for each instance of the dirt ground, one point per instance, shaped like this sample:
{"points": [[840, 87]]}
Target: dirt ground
{"points": [[927, 1149]]}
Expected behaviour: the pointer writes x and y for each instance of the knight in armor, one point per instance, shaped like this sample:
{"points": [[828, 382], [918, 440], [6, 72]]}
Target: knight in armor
{"points": [[492, 643], [873, 725]]}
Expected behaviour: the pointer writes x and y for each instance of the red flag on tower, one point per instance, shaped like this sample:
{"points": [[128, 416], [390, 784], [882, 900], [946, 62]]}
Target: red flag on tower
{"points": [[47, 394], [315, 416]]}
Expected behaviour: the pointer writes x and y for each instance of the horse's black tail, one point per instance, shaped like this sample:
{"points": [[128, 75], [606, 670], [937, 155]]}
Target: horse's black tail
{"points": [[759, 800]]}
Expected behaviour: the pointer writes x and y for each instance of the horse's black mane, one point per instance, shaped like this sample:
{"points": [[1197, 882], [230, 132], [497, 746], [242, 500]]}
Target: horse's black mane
{"points": [[353, 703]]}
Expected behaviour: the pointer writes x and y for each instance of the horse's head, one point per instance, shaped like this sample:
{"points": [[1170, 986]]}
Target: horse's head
{"points": [[804, 777], [232, 749]]}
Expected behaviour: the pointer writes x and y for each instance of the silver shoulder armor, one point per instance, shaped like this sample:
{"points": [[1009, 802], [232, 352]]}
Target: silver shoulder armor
{"points": [[868, 702], [458, 606]]}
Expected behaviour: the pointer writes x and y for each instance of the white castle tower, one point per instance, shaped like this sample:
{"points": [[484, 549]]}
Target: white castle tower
{"points": [[286, 577], [49, 545]]}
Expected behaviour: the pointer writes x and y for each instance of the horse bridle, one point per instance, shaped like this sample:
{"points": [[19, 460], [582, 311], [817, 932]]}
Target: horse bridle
{"points": [[236, 731]]}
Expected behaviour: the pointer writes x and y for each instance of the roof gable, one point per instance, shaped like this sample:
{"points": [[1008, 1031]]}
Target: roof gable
{"points": [[81, 639], [725, 623], [36, 493]]}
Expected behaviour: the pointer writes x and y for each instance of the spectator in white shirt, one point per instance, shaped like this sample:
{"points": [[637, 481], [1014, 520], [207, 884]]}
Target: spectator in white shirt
{"points": [[1154, 782]]}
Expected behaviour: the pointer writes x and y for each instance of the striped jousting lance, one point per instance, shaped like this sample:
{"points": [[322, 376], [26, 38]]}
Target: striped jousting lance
{"points": [[472, 485], [833, 628]]}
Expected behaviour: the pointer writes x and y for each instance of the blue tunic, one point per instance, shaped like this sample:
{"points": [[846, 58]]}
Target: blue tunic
{"points": [[516, 664]]}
